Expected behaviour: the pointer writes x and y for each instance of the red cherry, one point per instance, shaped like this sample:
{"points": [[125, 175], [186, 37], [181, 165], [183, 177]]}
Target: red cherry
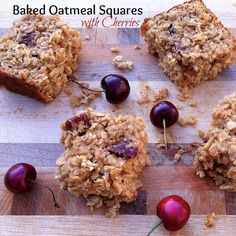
{"points": [[164, 111], [20, 178], [116, 88], [163, 115], [174, 212]]}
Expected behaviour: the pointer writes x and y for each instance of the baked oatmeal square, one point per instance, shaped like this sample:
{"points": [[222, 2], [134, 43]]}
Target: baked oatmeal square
{"points": [[192, 44], [103, 158], [37, 56], [217, 156]]}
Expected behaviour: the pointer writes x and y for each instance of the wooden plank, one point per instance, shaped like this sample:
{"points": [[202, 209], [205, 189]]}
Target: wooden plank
{"points": [[230, 202], [158, 181], [169, 178], [45, 155], [19, 115], [162, 157], [101, 54], [104, 38], [6, 199], [38, 154], [214, 200], [97, 225], [39, 202], [173, 178]]}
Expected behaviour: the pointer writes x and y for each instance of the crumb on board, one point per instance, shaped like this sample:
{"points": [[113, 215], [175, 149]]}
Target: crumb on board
{"points": [[160, 145], [192, 147], [149, 95], [115, 49], [202, 134], [137, 47], [180, 151], [184, 94], [210, 220], [192, 103], [86, 97], [190, 120], [88, 37], [120, 64]]}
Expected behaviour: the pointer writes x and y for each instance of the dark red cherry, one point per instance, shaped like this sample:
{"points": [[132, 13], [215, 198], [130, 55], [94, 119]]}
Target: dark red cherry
{"points": [[20, 178], [174, 212], [164, 111], [116, 88]]}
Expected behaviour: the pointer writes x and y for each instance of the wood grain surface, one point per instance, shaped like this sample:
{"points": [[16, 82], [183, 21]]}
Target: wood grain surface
{"points": [[100, 226], [29, 132]]}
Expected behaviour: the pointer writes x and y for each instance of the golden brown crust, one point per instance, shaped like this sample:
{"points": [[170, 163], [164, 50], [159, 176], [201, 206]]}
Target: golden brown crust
{"points": [[17, 85]]}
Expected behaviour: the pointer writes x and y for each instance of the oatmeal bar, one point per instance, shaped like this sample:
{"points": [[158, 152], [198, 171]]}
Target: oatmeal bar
{"points": [[217, 156], [192, 44], [37, 56], [103, 158]]}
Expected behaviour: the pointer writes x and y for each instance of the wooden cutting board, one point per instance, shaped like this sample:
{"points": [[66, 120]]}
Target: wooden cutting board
{"points": [[29, 132]]}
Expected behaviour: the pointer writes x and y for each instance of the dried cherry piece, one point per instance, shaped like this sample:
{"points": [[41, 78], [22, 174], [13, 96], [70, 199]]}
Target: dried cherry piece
{"points": [[123, 149], [75, 120], [28, 39]]}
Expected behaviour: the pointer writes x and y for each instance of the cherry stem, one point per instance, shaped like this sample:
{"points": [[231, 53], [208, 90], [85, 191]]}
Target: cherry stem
{"points": [[154, 227], [84, 87], [165, 136], [53, 195]]}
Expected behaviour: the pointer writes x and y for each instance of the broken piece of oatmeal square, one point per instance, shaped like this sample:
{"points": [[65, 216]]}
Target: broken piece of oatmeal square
{"points": [[191, 42], [216, 157], [103, 158]]}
